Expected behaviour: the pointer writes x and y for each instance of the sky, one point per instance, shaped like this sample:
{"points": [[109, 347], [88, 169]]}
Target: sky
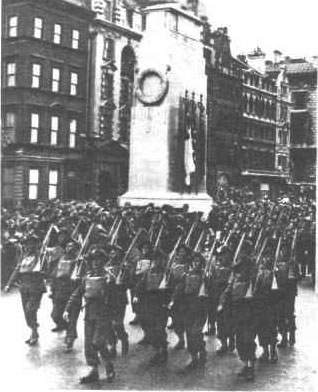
{"points": [[286, 25]]}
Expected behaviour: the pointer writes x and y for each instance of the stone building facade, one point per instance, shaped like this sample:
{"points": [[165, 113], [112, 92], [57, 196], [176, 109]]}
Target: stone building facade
{"points": [[265, 127], [224, 104], [44, 109]]}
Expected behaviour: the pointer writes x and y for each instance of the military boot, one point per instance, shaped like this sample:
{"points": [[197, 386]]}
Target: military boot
{"points": [[273, 353], [292, 338], [223, 349], [92, 376], [283, 343], [181, 344], [250, 371], [265, 354], [33, 341], [194, 363], [110, 372], [231, 343], [202, 358]]}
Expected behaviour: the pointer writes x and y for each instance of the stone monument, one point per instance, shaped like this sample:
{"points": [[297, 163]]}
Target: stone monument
{"points": [[168, 130]]}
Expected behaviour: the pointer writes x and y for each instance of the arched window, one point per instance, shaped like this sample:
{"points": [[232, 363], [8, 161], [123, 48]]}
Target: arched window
{"points": [[127, 72]]}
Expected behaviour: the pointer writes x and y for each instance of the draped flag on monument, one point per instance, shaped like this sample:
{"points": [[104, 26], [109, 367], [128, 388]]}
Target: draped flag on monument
{"points": [[188, 158]]}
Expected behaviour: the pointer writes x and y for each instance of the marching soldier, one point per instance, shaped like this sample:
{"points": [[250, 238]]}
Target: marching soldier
{"points": [[142, 266], [194, 310], [178, 307], [153, 303], [220, 276], [264, 305], [120, 276], [233, 297], [98, 293], [287, 275], [62, 287], [29, 272]]}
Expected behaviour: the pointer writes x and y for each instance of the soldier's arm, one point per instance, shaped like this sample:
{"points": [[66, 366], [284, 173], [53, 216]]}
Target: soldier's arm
{"points": [[13, 278], [75, 298]]}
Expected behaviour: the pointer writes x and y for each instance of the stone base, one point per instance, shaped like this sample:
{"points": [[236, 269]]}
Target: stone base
{"points": [[197, 202]]}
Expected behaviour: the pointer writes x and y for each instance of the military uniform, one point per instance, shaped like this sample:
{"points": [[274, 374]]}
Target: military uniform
{"points": [[153, 303], [286, 275], [242, 317], [120, 277], [220, 275], [99, 295], [62, 287], [179, 307], [32, 285], [194, 310]]}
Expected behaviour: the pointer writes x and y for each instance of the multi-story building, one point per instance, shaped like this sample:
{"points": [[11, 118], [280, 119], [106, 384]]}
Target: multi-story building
{"points": [[302, 76], [224, 96], [264, 140], [302, 79], [44, 111]]}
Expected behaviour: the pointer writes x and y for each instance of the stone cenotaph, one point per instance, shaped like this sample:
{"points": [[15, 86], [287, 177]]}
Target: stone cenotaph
{"points": [[168, 129]]}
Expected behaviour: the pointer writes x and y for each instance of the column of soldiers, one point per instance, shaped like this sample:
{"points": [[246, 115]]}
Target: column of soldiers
{"points": [[235, 272]]}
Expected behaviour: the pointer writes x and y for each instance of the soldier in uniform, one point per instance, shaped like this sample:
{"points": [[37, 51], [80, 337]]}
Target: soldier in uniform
{"points": [[62, 287], [32, 287], [241, 315], [142, 265], [194, 310], [98, 292], [120, 276], [153, 303], [287, 275], [220, 276], [178, 307], [264, 305]]}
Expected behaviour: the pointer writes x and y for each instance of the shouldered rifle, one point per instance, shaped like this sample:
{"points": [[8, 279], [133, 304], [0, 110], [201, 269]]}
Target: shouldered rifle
{"points": [[80, 260], [274, 283], [76, 229], [157, 242], [120, 276], [197, 245], [165, 281], [194, 224], [292, 275], [203, 292], [115, 232], [43, 251]]}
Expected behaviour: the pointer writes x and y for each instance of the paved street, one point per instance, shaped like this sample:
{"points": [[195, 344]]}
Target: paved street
{"points": [[47, 367]]}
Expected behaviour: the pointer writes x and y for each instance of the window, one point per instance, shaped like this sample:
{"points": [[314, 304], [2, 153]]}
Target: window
{"points": [[57, 33], [9, 128], [75, 39], [56, 79], [11, 71], [73, 130], [33, 184], [108, 10], [299, 98], [36, 75], [34, 127], [130, 16], [74, 81], [38, 28], [109, 49], [8, 183], [54, 130], [53, 183], [13, 26]]}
